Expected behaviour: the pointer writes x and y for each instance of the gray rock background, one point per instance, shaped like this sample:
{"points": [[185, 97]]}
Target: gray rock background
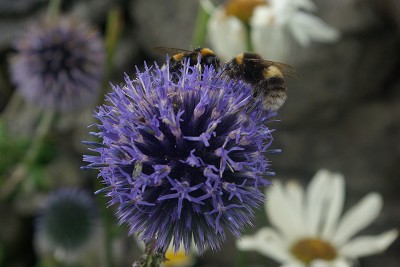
{"points": [[343, 112]]}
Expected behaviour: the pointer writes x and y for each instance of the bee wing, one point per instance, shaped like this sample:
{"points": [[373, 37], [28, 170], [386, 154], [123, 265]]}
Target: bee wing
{"points": [[170, 50], [286, 69]]}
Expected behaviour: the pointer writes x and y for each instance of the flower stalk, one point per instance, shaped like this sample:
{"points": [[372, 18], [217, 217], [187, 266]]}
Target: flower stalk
{"points": [[13, 104], [53, 10], [108, 223], [20, 172], [200, 31], [113, 31], [151, 257], [249, 43]]}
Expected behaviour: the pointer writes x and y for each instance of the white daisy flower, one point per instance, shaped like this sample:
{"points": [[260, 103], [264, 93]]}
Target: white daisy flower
{"points": [[273, 25], [308, 229]]}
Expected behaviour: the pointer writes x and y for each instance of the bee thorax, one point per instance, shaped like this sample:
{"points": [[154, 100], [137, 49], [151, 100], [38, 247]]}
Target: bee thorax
{"points": [[272, 72]]}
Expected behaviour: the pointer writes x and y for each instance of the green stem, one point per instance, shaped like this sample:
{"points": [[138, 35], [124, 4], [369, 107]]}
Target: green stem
{"points": [[114, 28], [50, 261], [12, 106], [113, 31], [249, 43], [108, 226], [53, 10], [200, 31], [240, 259], [21, 170], [150, 258], [41, 132]]}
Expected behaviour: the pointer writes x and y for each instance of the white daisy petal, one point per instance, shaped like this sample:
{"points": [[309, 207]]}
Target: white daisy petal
{"points": [[305, 4], [300, 34], [358, 217], [316, 193], [207, 5], [335, 206], [336, 263], [227, 34], [283, 10], [273, 43], [306, 27], [320, 263], [341, 263], [293, 264], [267, 242], [270, 40], [367, 245], [295, 196], [281, 212], [262, 17]]}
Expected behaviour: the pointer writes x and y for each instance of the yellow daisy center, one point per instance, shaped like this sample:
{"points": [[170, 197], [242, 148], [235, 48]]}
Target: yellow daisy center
{"points": [[242, 9], [176, 259], [310, 249]]}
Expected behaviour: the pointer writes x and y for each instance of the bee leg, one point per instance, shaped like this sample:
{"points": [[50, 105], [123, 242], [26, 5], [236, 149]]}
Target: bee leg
{"points": [[251, 106], [254, 102]]}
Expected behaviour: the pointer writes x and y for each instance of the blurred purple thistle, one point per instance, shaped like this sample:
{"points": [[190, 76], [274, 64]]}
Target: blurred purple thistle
{"points": [[59, 65], [68, 219]]}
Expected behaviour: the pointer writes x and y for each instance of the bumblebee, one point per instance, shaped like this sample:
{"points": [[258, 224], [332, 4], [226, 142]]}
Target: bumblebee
{"points": [[176, 62], [266, 78]]}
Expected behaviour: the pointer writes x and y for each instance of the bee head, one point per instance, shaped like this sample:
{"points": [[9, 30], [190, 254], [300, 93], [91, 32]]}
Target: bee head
{"points": [[212, 60], [208, 57], [231, 64]]}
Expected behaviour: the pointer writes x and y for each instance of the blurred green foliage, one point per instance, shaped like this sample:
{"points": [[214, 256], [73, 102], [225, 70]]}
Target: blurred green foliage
{"points": [[13, 150], [2, 255]]}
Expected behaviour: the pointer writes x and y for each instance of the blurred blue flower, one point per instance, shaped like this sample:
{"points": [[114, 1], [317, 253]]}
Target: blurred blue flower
{"points": [[68, 219], [59, 64], [182, 159]]}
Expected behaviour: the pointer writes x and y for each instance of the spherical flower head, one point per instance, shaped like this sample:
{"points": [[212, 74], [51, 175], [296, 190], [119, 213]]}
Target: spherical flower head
{"points": [[68, 219], [58, 64], [182, 159]]}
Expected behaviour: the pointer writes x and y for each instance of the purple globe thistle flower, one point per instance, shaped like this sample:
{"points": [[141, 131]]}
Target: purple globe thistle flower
{"points": [[59, 64], [68, 219], [182, 160]]}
